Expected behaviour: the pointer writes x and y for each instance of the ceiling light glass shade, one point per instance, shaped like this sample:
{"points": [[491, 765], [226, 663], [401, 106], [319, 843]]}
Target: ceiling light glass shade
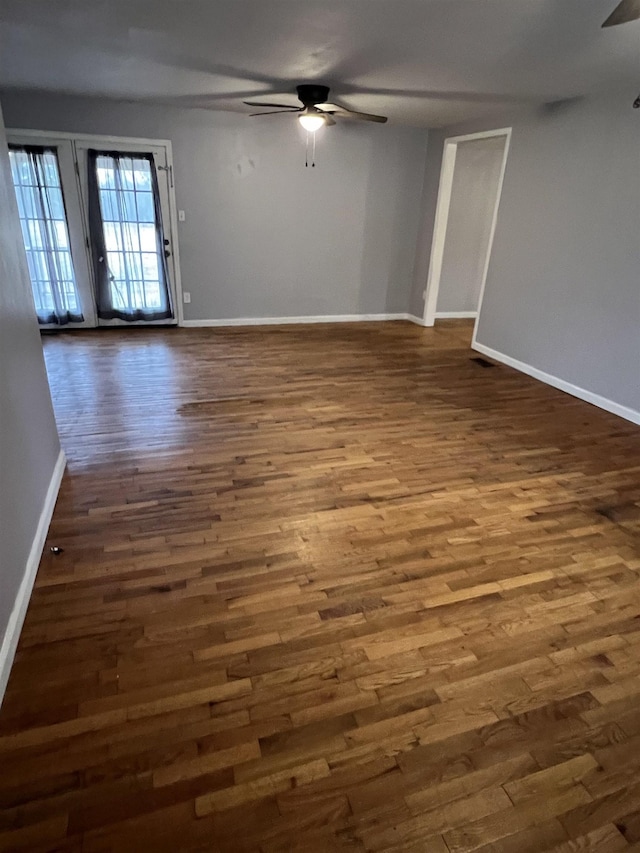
{"points": [[311, 122]]}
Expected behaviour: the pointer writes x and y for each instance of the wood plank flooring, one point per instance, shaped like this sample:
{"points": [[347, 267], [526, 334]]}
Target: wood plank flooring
{"points": [[327, 588]]}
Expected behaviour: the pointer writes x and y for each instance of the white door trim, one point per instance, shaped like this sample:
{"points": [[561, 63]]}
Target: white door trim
{"points": [[439, 231], [88, 137], [442, 216]]}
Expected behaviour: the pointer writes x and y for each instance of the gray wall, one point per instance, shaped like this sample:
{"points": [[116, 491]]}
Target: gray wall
{"points": [[563, 286], [473, 196], [29, 445], [264, 236]]}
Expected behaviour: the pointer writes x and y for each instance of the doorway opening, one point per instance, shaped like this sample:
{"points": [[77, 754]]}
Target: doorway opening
{"points": [[471, 180]]}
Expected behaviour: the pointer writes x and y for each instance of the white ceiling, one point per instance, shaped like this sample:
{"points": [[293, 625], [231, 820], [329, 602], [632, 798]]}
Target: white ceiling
{"points": [[421, 62]]}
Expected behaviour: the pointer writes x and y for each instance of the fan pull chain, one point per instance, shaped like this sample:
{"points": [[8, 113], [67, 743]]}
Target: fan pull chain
{"points": [[313, 152]]}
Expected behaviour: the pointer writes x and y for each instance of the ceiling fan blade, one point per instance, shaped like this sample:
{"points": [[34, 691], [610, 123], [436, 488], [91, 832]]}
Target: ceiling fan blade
{"points": [[263, 104], [329, 121], [625, 11], [273, 113], [344, 112]]}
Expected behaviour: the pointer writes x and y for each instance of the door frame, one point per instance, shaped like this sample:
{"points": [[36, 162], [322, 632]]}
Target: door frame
{"points": [[445, 188], [97, 140]]}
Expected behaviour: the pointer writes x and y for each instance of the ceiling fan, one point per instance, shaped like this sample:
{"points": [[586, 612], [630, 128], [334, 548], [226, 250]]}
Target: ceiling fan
{"points": [[625, 11], [315, 112]]}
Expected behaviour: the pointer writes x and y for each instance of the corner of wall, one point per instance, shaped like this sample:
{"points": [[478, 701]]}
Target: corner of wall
{"points": [[11, 637]]}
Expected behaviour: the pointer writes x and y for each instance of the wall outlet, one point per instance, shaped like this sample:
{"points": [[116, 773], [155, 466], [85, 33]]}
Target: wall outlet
{"points": [[181, 216], [186, 297]]}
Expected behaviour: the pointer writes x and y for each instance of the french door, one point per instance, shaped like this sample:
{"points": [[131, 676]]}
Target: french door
{"points": [[125, 192], [97, 219], [44, 179]]}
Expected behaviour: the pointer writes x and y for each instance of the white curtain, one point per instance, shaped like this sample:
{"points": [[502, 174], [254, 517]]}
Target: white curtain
{"points": [[36, 179], [127, 239]]}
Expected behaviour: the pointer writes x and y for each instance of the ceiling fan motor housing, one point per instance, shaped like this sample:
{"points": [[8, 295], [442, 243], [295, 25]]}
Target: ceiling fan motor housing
{"points": [[310, 94]]}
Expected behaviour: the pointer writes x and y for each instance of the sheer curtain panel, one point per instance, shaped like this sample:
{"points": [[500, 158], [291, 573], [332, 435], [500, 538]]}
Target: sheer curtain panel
{"points": [[36, 178], [127, 240]]}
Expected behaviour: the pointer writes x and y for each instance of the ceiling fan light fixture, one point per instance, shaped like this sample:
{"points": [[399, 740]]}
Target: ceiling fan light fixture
{"points": [[311, 122]]}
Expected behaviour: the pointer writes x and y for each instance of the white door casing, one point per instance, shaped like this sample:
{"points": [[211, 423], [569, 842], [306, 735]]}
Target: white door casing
{"points": [[442, 217]]}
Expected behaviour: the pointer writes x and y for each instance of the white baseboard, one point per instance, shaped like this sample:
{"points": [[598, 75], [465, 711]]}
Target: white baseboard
{"points": [[582, 394], [281, 321], [456, 315], [413, 318], [16, 620]]}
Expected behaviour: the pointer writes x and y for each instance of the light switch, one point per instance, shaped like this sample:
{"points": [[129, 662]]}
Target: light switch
{"points": [[181, 216]]}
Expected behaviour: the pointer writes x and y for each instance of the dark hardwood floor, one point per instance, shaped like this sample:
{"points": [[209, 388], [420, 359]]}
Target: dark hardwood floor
{"points": [[327, 588]]}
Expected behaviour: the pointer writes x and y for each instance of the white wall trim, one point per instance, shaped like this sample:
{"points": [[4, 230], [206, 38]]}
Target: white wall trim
{"points": [[575, 391], [86, 137], [413, 318], [281, 321], [16, 620], [456, 315]]}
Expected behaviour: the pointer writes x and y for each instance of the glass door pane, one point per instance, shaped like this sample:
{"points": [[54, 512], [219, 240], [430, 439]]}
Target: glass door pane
{"points": [[36, 178]]}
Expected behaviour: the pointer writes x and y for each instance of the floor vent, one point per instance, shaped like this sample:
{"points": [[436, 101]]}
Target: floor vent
{"points": [[626, 515]]}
